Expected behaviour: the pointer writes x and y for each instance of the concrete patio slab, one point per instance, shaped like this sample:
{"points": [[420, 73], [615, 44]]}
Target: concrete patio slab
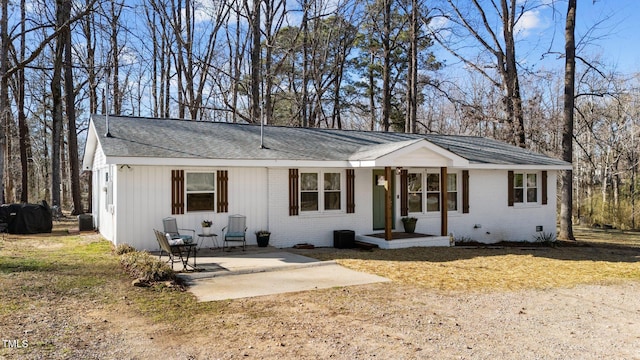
{"points": [[251, 274]]}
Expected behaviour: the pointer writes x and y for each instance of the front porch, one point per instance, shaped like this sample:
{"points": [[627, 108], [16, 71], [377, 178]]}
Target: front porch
{"points": [[401, 240]]}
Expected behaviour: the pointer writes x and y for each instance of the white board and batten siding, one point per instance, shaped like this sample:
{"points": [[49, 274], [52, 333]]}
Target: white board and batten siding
{"points": [[490, 219], [143, 199], [316, 227]]}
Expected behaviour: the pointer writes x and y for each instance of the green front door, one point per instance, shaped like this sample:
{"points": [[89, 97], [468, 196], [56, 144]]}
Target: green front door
{"points": [[378, 201]]}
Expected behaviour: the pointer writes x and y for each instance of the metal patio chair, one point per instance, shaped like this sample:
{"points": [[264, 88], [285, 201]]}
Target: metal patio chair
{"points": [[235, 231], [171, 227], [178, 252]]}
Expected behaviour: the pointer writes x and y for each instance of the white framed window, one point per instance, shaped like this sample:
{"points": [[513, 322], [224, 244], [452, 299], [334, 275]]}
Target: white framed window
{"points": [[424, 191], [414, 192], [321, 191], [200, 191], [525, 188], [108, 182], [452, 192], [433, 192]]}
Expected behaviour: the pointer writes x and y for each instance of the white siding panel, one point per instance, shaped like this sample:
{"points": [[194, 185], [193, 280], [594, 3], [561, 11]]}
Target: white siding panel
{"points": [[495, 220], [144, 199], [489, 210], [248, 194], [421, 157], [317, 229]]}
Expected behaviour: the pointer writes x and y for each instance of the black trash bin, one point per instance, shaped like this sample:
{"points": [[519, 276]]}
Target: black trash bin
{"points": [[344, 239]]}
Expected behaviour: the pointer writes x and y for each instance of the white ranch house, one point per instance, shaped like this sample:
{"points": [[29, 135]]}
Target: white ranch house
{"points": [[304, 183]]}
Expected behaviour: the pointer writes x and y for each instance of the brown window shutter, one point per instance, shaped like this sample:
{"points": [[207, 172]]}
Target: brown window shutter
{"points": [[404, 192], [510, 187], [465, 191], [293, 192], [351, 197], [177, 192], [544, 188], [222, 185]]}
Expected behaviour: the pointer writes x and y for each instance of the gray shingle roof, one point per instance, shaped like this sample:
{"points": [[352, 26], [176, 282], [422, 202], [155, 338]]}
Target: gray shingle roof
{"points": [[479, 150], [170, 138]]}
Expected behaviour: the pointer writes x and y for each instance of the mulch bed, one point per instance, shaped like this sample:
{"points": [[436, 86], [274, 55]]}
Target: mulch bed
{"points": [[519, 244]]}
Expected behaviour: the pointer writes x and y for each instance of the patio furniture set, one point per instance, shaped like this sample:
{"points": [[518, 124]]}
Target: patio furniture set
{"points": [[181, 247]]}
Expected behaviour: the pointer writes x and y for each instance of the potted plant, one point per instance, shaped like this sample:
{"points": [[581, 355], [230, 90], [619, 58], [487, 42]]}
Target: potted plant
{"points": [[409, 224], [206, 226], [263, 237]]}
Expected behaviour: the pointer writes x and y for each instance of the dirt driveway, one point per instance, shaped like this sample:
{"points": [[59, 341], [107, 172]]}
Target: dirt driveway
{"points": [[383, 321], [86, 308]]}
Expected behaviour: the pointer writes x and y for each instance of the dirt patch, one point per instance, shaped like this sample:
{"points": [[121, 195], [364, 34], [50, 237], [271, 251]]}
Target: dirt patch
{"points": [[84, 308], [382, 320]]}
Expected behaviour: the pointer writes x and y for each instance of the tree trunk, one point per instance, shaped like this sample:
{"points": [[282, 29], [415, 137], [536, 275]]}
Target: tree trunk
{"points": [[566, 192], [4, 93], [412, 72], [23, 128], [268, 61], [305, 65], [255, 62], [56, 116], [372, 96], [511, 81], [386, 68], [72, 137]]}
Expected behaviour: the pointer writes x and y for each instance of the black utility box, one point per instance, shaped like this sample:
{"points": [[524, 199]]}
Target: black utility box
{"points": [[344, 239], [85, 222]]}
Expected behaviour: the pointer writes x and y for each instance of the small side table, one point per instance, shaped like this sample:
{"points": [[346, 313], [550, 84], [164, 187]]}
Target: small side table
{"points": [[202, 238]]}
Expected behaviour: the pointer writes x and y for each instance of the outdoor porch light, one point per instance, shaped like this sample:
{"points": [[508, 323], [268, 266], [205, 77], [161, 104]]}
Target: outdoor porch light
{"points": [[382, 181], [398, 170]]}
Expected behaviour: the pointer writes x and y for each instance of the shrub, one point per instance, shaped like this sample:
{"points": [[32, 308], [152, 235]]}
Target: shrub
{"points": [[123, 249], [144, 266], [547, 238]]}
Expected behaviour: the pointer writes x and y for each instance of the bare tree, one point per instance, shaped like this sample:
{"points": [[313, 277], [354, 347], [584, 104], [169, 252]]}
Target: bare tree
{"points": [[72, 136], [566, 191], [410, 125], [256, 66], [23, 129], [386, 64], [500, 47], [56, 96], [5, 110]]}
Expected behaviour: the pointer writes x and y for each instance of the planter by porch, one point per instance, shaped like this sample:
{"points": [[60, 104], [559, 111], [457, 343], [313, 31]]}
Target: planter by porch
{"points": [[409, 224], [206, 230], [263, 238]]}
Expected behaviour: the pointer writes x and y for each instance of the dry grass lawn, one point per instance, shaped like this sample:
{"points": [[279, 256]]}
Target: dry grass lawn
{"points": [[590, 260], [68, 297]]}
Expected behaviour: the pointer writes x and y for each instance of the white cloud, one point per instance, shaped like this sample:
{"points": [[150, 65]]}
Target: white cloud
{"points": [[529, 23]]}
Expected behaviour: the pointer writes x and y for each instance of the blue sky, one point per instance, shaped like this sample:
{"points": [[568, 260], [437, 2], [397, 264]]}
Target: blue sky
{"points": [[609, 29], [621, 30]]}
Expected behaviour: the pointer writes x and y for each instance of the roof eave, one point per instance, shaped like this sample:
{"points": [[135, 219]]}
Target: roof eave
{"points": [[182, 162], [396, 157], [90, 147], [558, 167]]}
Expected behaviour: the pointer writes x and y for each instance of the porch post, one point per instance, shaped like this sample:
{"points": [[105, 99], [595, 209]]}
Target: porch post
{"points": [[444, 206], [388, 198]]}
